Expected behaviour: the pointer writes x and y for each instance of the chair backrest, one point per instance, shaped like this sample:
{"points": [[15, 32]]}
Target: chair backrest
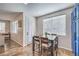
{"points": [[36, 38], [54, 34], [44, 40]]}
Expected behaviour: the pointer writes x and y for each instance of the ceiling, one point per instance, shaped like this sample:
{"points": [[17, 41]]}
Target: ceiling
{"points": [[38, 9], [9, 11]]}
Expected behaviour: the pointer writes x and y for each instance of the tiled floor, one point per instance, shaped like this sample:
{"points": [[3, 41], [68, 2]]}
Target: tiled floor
{"points": [[11, 48]]}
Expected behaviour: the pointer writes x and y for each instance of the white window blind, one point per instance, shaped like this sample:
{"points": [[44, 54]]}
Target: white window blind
{"points": [[14, 26], [55, 25], [2, 27]]}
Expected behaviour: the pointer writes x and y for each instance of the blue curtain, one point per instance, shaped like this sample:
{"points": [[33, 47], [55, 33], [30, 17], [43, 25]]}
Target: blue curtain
{"points": [[75, 29]]}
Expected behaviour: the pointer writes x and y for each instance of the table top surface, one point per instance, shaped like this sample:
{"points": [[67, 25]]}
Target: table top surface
{"points": [[50, 37]]}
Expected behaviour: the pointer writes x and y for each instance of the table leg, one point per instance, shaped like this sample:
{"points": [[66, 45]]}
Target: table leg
{"points": [[52, 48]]}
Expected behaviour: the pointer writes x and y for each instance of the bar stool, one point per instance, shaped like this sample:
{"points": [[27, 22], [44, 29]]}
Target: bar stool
{"points": [[36, 45], [45, 46]]}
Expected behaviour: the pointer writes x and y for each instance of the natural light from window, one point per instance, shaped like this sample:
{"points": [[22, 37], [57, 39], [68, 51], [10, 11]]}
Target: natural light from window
{"points": [[2, 27], [14, 26], [55, 25]]}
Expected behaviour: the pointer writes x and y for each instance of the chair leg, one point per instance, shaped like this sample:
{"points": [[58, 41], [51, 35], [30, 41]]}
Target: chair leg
{"points": [[33, 46], [42, 50], [39, 50], [56, 52], [33, 52]]}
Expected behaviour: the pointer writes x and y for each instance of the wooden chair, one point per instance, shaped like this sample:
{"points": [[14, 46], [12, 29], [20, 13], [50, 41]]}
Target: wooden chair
{"points": [[7, 36], [36, 45], [55, 44], [45, 47]]}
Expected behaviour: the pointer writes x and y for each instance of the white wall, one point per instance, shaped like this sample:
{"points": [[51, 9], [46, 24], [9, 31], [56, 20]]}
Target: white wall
{"points": [[64, 41], [18, 36]]}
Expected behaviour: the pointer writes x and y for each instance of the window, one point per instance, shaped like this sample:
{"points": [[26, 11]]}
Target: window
{"points": [[14, 26], [2, 27], [55, 25]]}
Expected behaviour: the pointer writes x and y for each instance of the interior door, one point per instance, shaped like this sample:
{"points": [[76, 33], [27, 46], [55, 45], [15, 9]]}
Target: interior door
{"points": [[29, 29], [26, 30]]}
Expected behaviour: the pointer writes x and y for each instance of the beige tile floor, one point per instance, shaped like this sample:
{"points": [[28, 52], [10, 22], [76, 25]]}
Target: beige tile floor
{"points": [[11, 48]]}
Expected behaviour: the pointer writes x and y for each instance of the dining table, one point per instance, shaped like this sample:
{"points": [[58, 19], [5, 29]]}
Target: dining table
{"points": [[52, 40]]}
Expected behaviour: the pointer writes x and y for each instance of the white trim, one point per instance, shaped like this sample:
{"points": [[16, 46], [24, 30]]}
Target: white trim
{"points": [[65, 48], [24, 38], [17, 42]]}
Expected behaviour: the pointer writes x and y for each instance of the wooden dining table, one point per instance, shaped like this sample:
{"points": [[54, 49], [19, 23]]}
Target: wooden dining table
{"points": [[51, 40]]}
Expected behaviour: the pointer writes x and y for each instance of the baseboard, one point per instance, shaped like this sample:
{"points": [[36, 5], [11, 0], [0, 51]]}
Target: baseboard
{"points": [[17, 43], [27, 44], [65, 48]]}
